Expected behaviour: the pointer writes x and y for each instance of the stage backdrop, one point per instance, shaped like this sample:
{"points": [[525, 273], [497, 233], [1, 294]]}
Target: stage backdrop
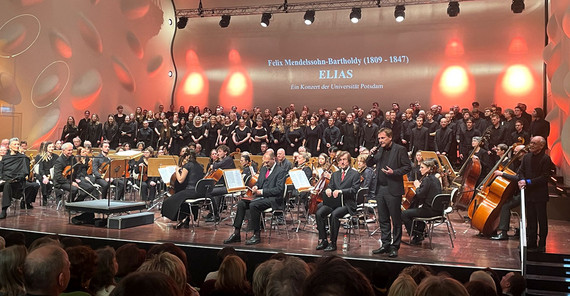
{"points": [[487, 53], [58, 58]]}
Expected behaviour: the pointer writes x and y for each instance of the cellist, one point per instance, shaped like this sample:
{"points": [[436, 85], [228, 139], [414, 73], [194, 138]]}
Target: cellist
{"points": [[426, 190]]}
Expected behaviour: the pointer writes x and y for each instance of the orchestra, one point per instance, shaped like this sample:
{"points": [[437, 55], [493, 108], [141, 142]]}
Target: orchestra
{"points": [[383, 149]]}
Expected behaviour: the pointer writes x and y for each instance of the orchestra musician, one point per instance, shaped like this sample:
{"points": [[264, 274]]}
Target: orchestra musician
{"points": [[483, 156], [147, 184], [367, 175], [515, 201], [14, 167], [225, 161], [67, 163], [269, 187], [102, 163], [392, 163], [81, 176], [345, 182], [189, 172], [45, 161], [426, 190], [248, 168]]}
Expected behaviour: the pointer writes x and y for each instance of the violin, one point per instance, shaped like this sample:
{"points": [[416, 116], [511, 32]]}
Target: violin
{"points": [[103, 168], [90, 166], [67, 171]]}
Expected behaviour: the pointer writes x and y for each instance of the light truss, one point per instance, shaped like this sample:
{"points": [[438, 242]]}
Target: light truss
{"points": [[286, 7]]}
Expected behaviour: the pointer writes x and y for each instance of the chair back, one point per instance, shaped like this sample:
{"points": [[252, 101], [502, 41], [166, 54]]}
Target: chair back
{"points": [[205, 186], [361, 195], [441, 202]]}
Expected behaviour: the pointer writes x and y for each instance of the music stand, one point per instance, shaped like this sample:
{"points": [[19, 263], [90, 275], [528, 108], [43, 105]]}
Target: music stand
{"points": [[116, 170], [154, 165]]}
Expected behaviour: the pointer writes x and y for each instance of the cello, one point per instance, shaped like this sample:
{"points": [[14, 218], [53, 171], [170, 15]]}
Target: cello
{"points": [[323, 182], [470, 172], [484, 210]]}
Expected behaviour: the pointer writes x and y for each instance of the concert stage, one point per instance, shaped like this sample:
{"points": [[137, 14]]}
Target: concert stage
{"points": [[470, 253]]}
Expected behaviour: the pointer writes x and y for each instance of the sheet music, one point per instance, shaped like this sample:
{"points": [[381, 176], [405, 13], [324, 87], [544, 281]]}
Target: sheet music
{"points": [[300, 180], [233, 179], [166, 172]]}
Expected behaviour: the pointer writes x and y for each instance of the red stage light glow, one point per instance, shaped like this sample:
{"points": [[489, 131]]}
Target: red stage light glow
{"points": [[517, 81], [454, 81]]}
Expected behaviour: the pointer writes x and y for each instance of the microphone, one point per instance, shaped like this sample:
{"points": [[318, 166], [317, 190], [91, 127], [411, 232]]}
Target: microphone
{"points": [[374, 150]]}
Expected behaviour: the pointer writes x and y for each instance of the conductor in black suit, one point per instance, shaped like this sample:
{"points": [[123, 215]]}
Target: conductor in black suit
{"points": [[392, 163], [345, 182], [269, 187]]}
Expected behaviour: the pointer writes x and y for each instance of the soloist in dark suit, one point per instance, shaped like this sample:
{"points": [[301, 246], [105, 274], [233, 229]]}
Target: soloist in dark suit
{"points": [[389, 191], [421, 204], [349, 187], [272, 188]]}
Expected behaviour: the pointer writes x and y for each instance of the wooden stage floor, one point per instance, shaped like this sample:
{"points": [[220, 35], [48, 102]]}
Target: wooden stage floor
{"points": [[470, 250]]}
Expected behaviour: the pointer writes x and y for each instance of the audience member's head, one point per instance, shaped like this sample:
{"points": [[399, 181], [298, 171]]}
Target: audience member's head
{"points": [[44, 240], [2, 243], [15, 238], [224, 252], [46, 271], [11, 266], [513, 283], [380, 277], [105, 271], [129, 257], [417, 272], [83, 262], [479, 288], [335, 276], [169, 248], [261, 276], [232, 275], [148, 283], [287, 277], [484, 277], [440, 286], [69, 241], [168, 264], [404, 285]]}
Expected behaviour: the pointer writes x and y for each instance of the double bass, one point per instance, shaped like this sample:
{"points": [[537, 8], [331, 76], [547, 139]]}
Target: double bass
{"points": [[470, 172], [484, 209]]}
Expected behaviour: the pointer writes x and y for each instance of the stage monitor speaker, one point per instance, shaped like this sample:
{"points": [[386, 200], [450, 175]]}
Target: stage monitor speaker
{"points": [[131, 220]]}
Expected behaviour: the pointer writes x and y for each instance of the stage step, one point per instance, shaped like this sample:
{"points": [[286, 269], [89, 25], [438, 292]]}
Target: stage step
{"points": [[548, 274], [130, 220]]}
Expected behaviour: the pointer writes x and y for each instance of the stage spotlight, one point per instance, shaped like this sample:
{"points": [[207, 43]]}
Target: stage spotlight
{"points": [[182, 21], [355, 15], [453, 8], [517, 6], [265, 17], [225, 21], [400, 13], [309, 17]]}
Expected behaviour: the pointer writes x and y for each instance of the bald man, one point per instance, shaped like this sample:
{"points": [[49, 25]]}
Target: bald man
{"points": [[46, 271]]}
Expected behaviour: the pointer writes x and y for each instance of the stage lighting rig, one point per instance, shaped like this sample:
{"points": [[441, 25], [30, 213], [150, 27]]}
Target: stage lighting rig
{"points": [[400, 13], [309, 17], [225, 21], [265, 17], [517, 6], [453, 8], [355, 15]]}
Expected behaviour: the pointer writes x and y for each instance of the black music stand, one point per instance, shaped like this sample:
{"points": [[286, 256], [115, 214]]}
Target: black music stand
{"points": [[116, 170]]}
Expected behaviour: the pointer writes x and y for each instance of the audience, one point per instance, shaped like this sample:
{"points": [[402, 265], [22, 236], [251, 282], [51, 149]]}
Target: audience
{"points": [[103, 280], [222, 254], [148, 283], [46, 271], [83, 262], [404, 285], [173, 267], [81, 271], [440, 286], [11, 266], [335, 276], [2, 243], [287, 277]]}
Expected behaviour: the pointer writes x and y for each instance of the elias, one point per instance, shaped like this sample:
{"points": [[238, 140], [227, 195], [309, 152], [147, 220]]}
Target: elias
{"points": [[335, 74]]}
